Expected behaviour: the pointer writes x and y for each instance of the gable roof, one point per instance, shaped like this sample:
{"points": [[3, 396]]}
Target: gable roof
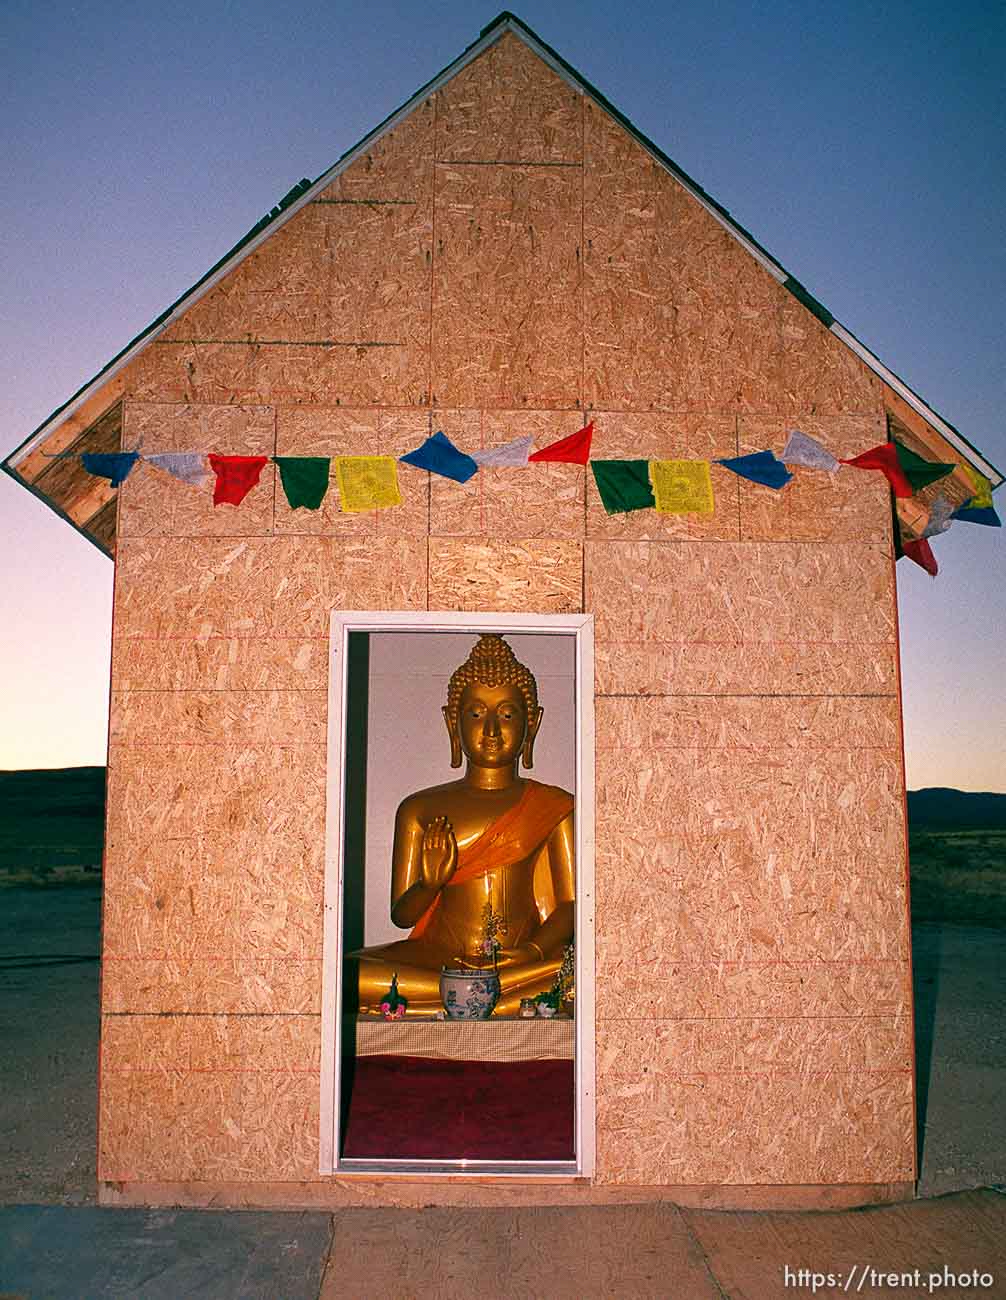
{"points": [[305, 191]]}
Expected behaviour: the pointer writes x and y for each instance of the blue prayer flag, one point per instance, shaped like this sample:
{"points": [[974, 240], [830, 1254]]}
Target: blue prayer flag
{"points": [[978, 515], [113, 465], [440, 456], [760, 467]]}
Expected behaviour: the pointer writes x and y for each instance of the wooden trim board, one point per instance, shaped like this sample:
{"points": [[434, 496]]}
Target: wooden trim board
{"points": [[474, 1190]]}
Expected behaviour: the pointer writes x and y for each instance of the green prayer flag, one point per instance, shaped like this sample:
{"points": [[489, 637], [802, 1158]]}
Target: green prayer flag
{"points": [[623, 485], [304, 478], [919, 471]]}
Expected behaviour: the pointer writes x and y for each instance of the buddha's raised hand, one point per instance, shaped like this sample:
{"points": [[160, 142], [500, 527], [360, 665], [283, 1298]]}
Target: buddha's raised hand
{"points": [[439, 856]]}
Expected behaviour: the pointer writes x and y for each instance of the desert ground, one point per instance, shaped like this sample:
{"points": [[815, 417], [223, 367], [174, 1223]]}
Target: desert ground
{"points": [[51, 826], [49, 977]]}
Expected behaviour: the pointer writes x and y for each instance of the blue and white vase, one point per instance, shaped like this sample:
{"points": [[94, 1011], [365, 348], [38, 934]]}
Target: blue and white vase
{"points": [[469, 994]]}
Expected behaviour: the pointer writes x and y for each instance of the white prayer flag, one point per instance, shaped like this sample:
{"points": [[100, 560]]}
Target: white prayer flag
{"points": [[188, 466], [515, 452], [802, 449]]}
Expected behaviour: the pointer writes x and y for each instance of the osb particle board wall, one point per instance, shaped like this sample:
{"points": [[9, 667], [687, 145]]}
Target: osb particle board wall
{"points": [[503, 261]]}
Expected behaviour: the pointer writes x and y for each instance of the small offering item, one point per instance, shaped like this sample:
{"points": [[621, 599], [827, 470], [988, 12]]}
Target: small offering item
{"points": [[393, 1004], [527, 1008], [562, 991]]}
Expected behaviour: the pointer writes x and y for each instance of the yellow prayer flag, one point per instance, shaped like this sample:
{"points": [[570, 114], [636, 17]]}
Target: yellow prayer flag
{"points": [[682, 487], [367, 482], [982, 499]]}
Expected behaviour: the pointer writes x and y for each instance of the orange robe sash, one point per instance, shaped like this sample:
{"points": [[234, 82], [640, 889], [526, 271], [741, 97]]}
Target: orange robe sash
{"points": [[512, 836]]}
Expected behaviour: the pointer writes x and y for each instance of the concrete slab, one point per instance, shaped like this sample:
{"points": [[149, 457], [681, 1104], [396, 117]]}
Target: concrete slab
{"points": [[645, 1252], [86, 1253], [951, 1246]]}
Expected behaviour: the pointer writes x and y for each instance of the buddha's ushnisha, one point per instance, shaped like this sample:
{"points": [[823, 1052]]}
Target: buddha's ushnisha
{"points": [[492, 836]]}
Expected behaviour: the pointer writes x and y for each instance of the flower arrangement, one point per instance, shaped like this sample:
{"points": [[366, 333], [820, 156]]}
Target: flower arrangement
{"points": [[393, 1004], [563, 986], [492, 928], [488, 948]]}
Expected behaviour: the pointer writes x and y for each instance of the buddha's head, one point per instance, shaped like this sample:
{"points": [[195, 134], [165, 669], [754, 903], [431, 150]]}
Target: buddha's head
{"points": [[492, 711]]}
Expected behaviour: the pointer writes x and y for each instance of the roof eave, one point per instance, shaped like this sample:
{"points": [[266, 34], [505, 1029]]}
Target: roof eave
{"points": [[294, 202], [47, 501]]}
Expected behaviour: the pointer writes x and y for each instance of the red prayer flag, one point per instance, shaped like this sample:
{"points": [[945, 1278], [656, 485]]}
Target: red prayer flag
{"points": [[885, 458], [575, 449], [236, 476], [922, 553]]}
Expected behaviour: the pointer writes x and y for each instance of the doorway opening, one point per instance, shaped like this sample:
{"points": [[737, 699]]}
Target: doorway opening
{"points": [[422, 1092]]}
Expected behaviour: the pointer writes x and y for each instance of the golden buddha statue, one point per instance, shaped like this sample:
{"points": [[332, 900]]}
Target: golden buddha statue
{"points": [[491, 837]]}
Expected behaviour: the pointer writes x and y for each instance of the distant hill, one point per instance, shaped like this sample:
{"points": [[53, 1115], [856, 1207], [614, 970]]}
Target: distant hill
{"points": [[52, 816], [937, 808]]}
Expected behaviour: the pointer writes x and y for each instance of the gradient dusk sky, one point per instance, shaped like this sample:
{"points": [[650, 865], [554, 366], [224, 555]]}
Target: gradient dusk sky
{"points": [[862, 143]]}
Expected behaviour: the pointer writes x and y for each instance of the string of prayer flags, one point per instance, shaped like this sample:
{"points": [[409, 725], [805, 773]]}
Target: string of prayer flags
{"points": [[922, 553], [802, 449], [113, 465], [941, 513], [623, 484], [367, 482], [668, 486], [919, 471], [440, 456], [978, 509], [187, 466], [885, 458], [760, 467], [515, 452], [304, 479], [682, 487], [236, 476], [574, 450]]}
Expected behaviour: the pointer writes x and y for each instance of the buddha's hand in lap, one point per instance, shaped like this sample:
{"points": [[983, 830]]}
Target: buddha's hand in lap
{"points": [[520, 956], [439, 856]]}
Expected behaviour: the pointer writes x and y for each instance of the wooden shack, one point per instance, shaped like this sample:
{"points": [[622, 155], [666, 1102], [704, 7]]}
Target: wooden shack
{"points": [[505, 255]]}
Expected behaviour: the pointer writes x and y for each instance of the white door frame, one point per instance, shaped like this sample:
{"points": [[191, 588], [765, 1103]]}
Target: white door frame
{"points": [[580, 626]]}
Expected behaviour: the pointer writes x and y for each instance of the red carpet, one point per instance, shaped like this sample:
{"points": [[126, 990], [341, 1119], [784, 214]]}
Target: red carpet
{"points": [[408, 1107]]}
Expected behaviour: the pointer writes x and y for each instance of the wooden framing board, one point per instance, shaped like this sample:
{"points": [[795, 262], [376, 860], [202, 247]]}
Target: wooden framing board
{"points": [[410, 1192]]}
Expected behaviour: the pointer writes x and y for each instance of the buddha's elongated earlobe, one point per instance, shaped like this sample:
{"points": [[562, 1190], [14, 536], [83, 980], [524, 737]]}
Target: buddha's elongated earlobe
{"points": [[527, 749], [455, 735]]}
